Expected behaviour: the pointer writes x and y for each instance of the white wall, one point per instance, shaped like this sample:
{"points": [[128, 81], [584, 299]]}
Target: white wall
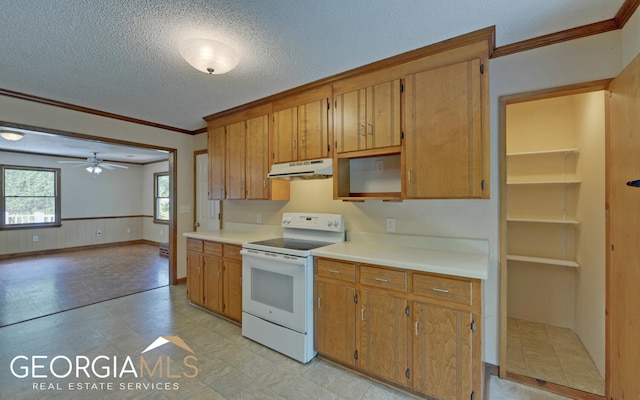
{"points": [[152, 231], [90, 200], [591, 243], [30, 113]]}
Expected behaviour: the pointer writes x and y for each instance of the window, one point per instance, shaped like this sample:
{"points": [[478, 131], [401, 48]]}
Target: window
{"points": [[30, 197], [161, 197]]}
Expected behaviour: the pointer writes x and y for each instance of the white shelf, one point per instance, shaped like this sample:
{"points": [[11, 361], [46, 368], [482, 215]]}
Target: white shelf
{"points": [[545, 220], [533, 153], [544, 182], [542, 260]]}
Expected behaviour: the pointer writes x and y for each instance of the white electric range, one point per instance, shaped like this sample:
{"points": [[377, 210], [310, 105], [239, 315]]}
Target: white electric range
{"points": [[277, 274]]}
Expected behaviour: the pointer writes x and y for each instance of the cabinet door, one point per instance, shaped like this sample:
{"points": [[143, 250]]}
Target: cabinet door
{"points": [[335, 316], [442, 365], [383, 115], [194, 277], [216, 154], [285, 135], [350, 121], [233, 289], [312, 130], [212, 277], [234, 166], [383, 336], [444, 132], [257, 158]]}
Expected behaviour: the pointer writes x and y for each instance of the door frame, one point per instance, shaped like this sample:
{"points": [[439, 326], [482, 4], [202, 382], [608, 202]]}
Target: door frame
{"points": [[504, 101]]}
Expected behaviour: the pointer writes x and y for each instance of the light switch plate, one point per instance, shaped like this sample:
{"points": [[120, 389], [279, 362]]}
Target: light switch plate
{"points": [[390, 225]]}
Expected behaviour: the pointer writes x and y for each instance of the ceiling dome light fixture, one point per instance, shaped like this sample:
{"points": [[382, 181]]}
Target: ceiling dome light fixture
{"points": [[10, 135], [209, 56]]}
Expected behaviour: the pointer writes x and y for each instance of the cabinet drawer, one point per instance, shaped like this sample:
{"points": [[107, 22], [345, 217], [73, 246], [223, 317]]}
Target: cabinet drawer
{"points": [[194, 245], [455, 290], [383, 278], [337, 270], [213, 248], [232, 251]]}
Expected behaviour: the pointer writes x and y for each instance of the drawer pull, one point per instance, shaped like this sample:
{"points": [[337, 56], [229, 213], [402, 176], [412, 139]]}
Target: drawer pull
{"points": [[435, 289], [319, 303], [416, 328], [334, 271], [362, 313], [380, 280]]}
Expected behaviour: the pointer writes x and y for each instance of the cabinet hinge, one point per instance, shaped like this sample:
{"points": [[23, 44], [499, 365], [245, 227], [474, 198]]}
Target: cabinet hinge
{"points": [[328, 148], [355, 354], [407, 373], [401, 134], [328, 105], [482, 68], [406, 311], [483, 184], [473, 325], [355, 299], [473, 395], [401, 87]]}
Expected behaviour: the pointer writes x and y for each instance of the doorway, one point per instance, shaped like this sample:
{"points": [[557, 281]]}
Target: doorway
{"points": [[553, 239]]}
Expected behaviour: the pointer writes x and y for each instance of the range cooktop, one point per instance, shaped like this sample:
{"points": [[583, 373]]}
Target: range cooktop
{"points": [[292, 244]]}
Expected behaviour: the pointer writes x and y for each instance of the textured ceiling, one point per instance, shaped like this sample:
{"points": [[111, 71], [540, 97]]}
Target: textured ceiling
{"points": [[121, 56]]}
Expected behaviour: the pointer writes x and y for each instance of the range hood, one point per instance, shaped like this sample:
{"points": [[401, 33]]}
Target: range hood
{"points": [[311, 169]]}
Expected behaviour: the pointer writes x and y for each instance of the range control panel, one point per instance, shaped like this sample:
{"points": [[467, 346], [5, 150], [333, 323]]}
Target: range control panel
{"points": [[314, 221]]}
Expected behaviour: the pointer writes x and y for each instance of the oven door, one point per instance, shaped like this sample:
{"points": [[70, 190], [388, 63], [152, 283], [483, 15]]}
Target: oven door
{"points": [[274, 288]]}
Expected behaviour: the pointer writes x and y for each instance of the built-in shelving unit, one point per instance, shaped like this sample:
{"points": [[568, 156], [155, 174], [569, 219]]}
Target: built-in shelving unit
{"points": [[542, 191]]}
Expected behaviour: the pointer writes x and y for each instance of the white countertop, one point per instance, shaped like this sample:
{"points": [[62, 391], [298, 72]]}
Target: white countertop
{"points": [[238, 234], [468, 265], [450, 256]]}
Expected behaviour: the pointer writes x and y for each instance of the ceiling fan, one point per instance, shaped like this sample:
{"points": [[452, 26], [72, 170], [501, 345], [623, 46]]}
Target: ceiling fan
{"points": [[94, 164]]}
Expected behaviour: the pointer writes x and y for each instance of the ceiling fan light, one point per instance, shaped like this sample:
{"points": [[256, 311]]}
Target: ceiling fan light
{"points": [[13, 136], [97, 170], [209, 56], [89, 169]]}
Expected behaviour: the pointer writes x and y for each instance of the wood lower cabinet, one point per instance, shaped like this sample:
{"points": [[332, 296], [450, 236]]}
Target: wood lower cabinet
{"points": [[335, 333], [416, 330], [383, 336], [214, 277], [442, 347]]}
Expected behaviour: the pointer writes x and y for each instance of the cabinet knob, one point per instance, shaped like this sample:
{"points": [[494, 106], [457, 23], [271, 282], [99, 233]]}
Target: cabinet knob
{"points": [[370, 130]]}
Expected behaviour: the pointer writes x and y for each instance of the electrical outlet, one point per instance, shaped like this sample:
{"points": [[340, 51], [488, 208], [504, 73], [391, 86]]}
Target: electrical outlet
{"points": [[379, 167], [35, 238], [99, 233], [390, 225], [128, 230], [161, 232], [258, 218]]}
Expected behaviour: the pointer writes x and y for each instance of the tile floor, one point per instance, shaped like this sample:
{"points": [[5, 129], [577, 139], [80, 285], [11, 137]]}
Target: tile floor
{"points": [[228, 366], [34, 286], [552, 354]]}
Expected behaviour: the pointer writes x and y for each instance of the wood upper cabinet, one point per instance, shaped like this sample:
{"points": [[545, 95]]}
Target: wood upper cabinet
{"points": [[383, 336], [257, 158], [442, 348], [368, 118], [216, 153], [301, 132], [446, 137], [239, 157], [235, 160]]}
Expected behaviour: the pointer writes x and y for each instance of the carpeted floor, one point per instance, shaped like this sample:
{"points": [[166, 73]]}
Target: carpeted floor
{"points": [[35, 286]]}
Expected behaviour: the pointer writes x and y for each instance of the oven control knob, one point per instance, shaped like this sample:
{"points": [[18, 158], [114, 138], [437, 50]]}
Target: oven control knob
{"points": [[336, 223]]}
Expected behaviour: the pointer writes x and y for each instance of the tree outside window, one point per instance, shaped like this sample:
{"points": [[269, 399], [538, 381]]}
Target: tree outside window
{"points": [[30, 197], [161, 197]]}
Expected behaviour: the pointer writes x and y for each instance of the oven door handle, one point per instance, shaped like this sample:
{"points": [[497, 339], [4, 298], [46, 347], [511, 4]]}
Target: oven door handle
{"points": [[281, 259]]}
